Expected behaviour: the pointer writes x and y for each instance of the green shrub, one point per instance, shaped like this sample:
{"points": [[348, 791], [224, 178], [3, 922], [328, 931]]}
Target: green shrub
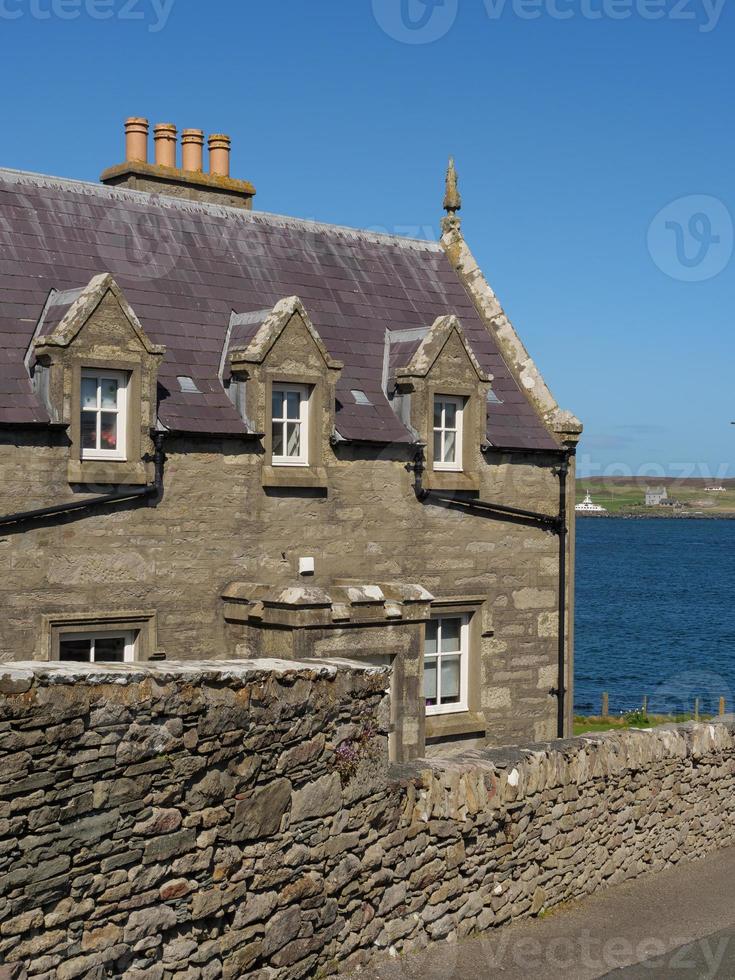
{"points": [[638, 719]]}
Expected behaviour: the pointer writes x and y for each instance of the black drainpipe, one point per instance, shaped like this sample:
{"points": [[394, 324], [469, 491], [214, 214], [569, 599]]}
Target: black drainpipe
{"points": [[154, 491], [563, 531], [556, 523]]}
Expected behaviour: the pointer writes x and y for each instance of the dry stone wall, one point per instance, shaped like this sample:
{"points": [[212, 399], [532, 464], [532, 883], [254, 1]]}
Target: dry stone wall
{"points": [[240, 819]]}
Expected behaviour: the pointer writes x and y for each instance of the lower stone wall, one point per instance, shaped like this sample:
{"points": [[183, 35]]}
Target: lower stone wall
{"points": [[240, 820]]}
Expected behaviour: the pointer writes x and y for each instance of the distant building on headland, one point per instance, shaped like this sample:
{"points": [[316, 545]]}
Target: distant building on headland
{"points": [[715, 490], [657, 496]]}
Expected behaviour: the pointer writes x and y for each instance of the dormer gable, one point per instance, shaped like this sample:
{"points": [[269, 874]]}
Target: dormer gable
{"points": [[284, 380], [289, 314], [96, 369], [439, 389], [67, 314], [444, 339]]}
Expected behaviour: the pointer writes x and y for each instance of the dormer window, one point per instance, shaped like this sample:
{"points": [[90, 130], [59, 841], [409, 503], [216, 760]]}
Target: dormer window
{"points": [[290, 425], [448, 432], [103, 414]]}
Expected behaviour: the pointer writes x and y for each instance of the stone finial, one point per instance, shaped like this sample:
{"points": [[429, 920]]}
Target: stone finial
{"points": [[452, 199]]}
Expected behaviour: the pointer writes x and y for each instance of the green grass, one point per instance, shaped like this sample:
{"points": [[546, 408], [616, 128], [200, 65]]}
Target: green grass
{"points": [[634, 719]]}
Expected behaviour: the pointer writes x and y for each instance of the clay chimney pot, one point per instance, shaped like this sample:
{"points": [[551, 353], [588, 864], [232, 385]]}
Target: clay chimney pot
{"points": [[136, 139], [164, 140], [192, 150], [219, 155]]}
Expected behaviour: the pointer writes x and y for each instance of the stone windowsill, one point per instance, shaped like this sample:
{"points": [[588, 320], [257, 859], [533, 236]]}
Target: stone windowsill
{"points": [[463, 723], [121, 472], [450, 480], [295, 476]]}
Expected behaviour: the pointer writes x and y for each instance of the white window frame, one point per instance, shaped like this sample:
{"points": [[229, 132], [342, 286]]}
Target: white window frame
{"points": [[120, 453], [305, 392], [129, 636], [464, 666], [456, 465]]}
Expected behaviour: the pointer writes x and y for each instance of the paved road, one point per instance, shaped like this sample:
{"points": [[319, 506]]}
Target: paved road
{"points": [[678, 924]]}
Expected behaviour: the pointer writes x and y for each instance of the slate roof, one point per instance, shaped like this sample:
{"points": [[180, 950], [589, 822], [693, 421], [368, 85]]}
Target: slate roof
{"points": [[186, 268]]}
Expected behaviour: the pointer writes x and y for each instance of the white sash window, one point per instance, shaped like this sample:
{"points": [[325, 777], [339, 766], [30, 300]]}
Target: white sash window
{"points": [[290, 425], [448, 432], [103, 414], [446, 662]]}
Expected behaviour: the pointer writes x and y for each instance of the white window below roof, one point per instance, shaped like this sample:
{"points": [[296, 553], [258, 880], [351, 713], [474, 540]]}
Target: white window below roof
{"points": [[446, 664], [448, 411], [103, 411], [290, 425], [105, 646]]}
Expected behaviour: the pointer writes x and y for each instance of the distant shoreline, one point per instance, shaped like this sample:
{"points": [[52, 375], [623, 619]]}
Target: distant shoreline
{"points": [[627, 516], [675, 499]]}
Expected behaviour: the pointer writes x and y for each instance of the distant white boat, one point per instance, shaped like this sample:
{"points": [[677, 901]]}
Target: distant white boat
{"points": [[588, 507]]}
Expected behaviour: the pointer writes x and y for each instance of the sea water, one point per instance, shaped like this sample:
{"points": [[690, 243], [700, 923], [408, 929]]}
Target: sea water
{"points": [[655, 614]]}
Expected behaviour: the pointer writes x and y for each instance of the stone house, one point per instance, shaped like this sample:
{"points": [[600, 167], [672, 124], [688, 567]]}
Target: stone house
{"points": [[230, 434], [656, 496]]}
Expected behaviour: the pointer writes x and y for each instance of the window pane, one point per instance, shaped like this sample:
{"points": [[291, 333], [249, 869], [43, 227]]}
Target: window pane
{"points": [[438, 447], [109, 392], [89, 430], [278, 439], [430, 646], [293, 404], [437, 414], [451, 629], [89, 393], [108, 431], [77, 650], [450, 680], [293, 439], [430, 681], [109, 650], [450, 443], [450, 415], [277, 403]]}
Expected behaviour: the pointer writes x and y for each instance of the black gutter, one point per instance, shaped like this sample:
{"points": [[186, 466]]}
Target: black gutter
{"points": [[151, 490], [555, 523]]}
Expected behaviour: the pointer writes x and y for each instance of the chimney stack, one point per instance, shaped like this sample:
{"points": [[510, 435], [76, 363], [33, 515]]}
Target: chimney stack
{"points": [[192, 150], [219, 155], [136, 140], [186, 180], [164, 139]]}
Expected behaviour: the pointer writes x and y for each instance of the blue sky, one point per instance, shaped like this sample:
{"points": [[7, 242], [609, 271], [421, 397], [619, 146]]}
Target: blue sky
{"points": [[575, 124]]}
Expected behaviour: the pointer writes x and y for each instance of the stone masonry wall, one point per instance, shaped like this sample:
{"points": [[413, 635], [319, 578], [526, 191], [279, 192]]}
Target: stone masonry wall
{"points": [[240, 820]]}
